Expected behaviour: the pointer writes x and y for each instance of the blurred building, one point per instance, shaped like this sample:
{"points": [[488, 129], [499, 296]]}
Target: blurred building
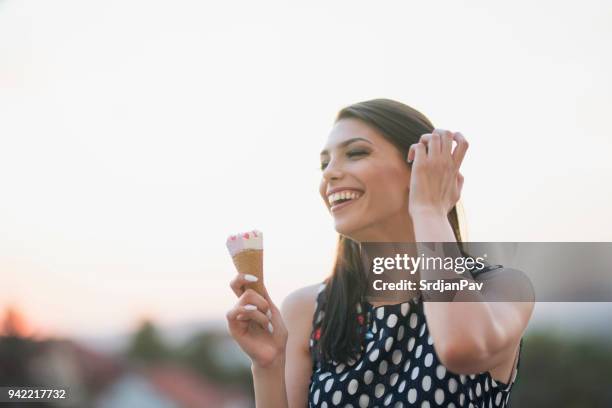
{"points": [[169, 386], [102, 381]]}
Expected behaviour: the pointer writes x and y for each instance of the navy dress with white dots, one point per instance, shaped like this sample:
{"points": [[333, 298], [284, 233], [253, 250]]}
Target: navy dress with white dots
{"points": [[398, 367]]}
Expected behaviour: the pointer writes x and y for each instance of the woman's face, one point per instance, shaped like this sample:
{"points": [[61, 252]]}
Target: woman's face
{"points": [[372, 176]]}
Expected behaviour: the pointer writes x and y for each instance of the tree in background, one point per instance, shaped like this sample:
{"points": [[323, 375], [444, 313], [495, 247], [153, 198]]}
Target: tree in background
{"points": [[561, 371], [206, 354], [147, 345]]}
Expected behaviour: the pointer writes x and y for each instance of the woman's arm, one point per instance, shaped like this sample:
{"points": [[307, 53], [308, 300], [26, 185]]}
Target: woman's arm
{"points": [[476, 335], [469, 336], [284, 383], [269, 385], [298, 309]]}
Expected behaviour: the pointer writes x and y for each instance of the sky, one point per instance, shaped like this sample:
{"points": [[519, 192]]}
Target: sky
{"points": [[136, 136]]}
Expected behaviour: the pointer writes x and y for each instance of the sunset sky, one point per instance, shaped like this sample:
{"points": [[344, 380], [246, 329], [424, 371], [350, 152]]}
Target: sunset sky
{"points": [[136, 135]]}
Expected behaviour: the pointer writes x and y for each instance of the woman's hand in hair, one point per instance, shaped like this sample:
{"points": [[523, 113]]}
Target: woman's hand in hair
{"points": [[256, 324], [435, 180]]}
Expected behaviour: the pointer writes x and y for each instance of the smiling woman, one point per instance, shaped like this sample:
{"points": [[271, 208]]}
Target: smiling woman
{"points": [[336, 199], [364, 163], [387, 176], [369, 146]]}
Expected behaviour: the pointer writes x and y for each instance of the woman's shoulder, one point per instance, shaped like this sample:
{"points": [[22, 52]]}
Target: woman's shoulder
{"points": [[304, 295], [300, 305], [297, 311]]}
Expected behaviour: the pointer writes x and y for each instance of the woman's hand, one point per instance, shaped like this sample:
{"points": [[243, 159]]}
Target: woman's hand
{"points": [[256, 324], [435, 181]]}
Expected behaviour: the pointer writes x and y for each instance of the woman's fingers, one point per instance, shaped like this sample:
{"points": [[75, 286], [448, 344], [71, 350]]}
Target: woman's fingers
{"points": [[251, 300], [244, 314], [241, 279], [434, 147], [252, 306], [233, 313], [235, 320], [446, 141], [426, 140], [462, 146], [419, 152], [412, 152], [259, 318], [459, 181]]}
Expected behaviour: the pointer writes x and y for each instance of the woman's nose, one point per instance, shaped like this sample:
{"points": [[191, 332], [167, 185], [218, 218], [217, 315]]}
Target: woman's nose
{"points": [[332, 172]]}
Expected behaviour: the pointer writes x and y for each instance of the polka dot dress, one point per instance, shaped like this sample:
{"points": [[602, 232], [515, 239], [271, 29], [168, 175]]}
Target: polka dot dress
{"points": [[398, 367]]}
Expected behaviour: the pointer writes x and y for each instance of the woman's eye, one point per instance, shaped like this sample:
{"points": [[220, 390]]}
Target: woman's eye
{"points": [[352, 153], [356, 153]]}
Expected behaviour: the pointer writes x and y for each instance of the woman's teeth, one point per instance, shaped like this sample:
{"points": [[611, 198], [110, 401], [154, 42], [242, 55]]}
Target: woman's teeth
{"points": [[337, 198]]}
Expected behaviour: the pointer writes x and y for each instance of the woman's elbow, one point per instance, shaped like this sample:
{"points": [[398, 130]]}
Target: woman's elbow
{"points": [[467, 356]]}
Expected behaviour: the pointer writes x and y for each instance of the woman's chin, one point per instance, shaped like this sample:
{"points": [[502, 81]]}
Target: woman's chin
{"points": [[343, 229], [349, 230]]}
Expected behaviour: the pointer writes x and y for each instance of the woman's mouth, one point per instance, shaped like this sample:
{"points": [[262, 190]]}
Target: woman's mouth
{"points": [[343, 199]]}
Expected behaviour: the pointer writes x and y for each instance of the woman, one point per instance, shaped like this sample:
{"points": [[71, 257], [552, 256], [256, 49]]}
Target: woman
{"points": [[398, 181]]}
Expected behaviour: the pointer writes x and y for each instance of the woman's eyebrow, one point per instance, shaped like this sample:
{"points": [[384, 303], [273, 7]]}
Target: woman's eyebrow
{"points": [[346, 143]]}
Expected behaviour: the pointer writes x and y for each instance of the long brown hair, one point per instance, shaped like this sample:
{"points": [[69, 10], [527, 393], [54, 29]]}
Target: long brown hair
{"points": [[341, 335]]}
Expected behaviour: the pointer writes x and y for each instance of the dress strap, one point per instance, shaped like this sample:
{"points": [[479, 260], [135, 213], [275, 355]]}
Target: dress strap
{"points": [[488, 268]]}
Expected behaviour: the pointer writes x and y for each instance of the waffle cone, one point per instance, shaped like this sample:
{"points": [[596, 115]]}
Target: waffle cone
{"points": [[251, 261]]}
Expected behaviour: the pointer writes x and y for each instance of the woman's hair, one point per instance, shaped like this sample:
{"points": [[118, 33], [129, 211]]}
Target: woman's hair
{"points": [[341, 334]]}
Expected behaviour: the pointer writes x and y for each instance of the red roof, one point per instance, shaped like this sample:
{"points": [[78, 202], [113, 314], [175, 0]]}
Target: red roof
{"points": [[189, 389]]}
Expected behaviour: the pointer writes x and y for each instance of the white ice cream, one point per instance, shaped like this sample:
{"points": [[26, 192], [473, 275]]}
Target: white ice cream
{"points": [[243, 241]]}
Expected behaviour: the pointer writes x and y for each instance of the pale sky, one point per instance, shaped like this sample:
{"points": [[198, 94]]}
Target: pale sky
{"points": [[136, 135]]}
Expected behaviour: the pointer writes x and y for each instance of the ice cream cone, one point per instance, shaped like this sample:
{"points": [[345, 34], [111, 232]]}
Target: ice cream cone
{"points": [[246, 250], [251, 261]]}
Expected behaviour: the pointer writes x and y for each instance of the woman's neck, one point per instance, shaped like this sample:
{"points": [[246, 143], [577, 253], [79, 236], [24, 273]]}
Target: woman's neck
{"points": [[393, 229]]}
